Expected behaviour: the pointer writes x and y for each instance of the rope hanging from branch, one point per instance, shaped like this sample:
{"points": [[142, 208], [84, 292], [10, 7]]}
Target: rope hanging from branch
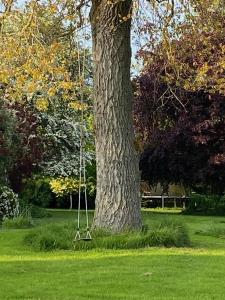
{"points": [[81, 57]]}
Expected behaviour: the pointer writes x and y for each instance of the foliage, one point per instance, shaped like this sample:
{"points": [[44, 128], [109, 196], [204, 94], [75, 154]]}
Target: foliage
{"points": [[206, 205], [61, 131], [91, 178], [179, 109], [42, 67], [36, 42], [8, 141], [63, 186], [191, 151], [21, 147], [42, 191], [9, 203], [187, 36], [37, 192], [52, 236], [29, 151], [47, 141]]}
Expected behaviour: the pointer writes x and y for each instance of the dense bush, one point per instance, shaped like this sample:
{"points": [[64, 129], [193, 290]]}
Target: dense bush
{"points": [[60, 236], [37, 192], [9, 203], [206, 205]]}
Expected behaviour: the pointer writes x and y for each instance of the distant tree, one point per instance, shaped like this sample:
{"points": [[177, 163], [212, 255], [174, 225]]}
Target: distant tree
{"points": [[28, 150], [191, 149], [21, 147], [180, 104], [7, 141], [61, 129], [65, 186]]}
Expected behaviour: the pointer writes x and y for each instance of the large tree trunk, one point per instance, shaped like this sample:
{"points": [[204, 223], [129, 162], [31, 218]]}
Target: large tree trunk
{"points": [[118, 196]]}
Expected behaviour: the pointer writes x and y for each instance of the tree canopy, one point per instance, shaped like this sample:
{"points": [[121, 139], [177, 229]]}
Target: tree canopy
{"points": [[179, 108]]}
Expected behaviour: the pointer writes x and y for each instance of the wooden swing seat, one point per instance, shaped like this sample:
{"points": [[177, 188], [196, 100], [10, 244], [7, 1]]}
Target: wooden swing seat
{"points": [[84, 239]]}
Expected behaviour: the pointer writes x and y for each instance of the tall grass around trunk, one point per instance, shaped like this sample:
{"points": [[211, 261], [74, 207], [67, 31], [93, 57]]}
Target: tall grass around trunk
{"points": [[166, 233]]}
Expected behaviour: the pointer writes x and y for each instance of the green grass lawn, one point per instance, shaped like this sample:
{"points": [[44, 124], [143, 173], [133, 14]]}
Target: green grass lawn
{"points": [[155, 273]]}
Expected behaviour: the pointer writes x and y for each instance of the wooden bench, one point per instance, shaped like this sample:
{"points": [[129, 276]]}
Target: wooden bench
{"points": [[162, 201]]}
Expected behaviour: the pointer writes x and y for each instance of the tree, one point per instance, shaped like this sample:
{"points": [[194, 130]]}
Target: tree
{"points": [[21, 145], [65, 186], [118, 199], [61, 130], [27, 145], [189, 150], [179, 108], [7, 146]]}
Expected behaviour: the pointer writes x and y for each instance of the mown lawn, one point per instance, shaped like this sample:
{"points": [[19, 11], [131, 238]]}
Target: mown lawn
{"points": [[157, 273]]}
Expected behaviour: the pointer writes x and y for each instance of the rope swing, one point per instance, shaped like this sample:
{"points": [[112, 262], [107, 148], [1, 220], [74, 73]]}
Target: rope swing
{"points": [[82, 166], [82, 184]]}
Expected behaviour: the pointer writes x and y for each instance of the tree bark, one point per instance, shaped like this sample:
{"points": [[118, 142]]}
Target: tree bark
{"points": [[118, 179]]}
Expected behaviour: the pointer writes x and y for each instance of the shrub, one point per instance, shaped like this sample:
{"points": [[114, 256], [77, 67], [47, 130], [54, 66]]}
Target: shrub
{"points": [[9, 203], [206, 205], [37, 192], [19, 222], [60, 236]]}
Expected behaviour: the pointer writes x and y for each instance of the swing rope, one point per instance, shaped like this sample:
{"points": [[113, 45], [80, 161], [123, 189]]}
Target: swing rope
{"points": [[82, 159]]}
